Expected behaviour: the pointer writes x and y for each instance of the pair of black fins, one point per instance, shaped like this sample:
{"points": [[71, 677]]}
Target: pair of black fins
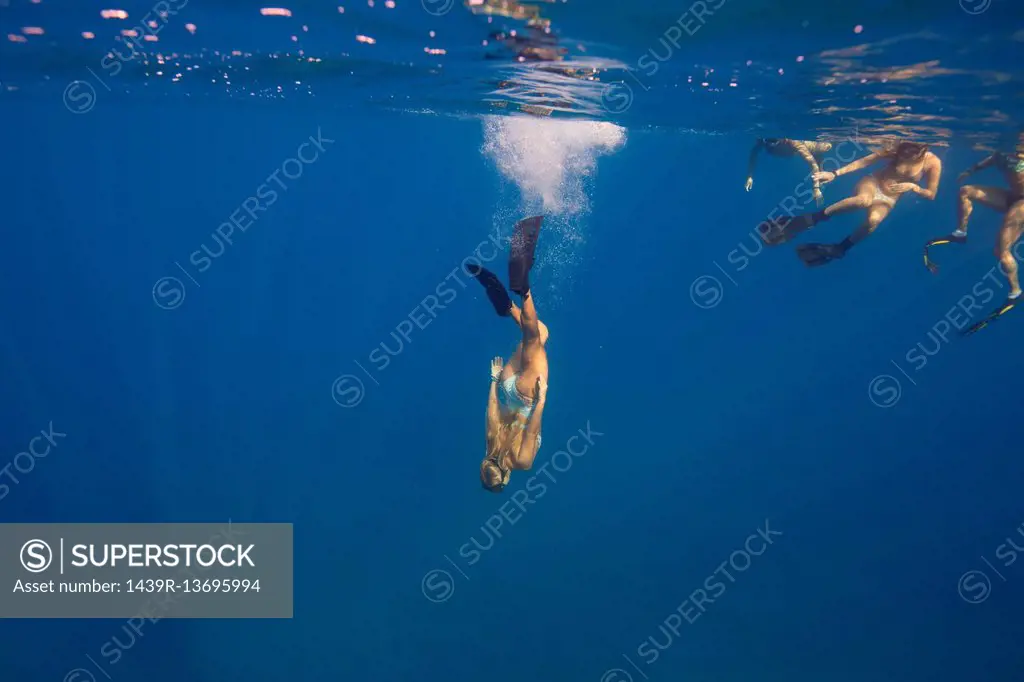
{"points": [[520, 261]]}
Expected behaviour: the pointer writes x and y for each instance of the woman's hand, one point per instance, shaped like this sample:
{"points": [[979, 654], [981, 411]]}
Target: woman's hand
{"points": [[496, 364], [541, 389], [750, 183], [823, 177], [902, 187], [818, 198]]}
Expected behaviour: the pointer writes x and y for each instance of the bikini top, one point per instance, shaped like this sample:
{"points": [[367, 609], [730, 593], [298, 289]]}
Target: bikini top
{"points": [[1014, 162]]}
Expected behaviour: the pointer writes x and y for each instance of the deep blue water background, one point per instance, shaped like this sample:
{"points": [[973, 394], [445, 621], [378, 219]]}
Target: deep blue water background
{"points": [[714, 420]]}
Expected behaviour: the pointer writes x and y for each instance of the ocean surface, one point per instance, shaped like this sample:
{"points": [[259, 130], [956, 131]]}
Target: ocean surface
{"points": [[774, 473]]}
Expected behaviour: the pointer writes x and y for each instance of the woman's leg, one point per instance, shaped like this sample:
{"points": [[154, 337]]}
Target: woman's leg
{"points": [[1013, 226], [863, 197], [781, 230], [534, 357], [517, 316], [876, 214], [515, 363], [993, 197]]}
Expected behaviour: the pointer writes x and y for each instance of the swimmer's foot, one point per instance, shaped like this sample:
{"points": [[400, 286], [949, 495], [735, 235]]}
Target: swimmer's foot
{"points": [[524, 244], [495, 290]]}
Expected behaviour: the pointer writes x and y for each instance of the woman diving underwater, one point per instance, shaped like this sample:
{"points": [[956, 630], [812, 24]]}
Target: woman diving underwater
{"points": [[518, 389]]}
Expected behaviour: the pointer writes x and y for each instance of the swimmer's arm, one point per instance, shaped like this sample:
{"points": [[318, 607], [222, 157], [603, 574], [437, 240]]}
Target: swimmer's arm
{"points": [[805, 153], [933, 169], [859, 164], [528, 448], [493, 415], [752, 162], [981, 165]]}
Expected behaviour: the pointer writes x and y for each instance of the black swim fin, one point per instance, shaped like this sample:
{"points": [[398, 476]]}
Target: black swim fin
{"points": [[1006, 307], [496, 291], [524, 244], [815, 255], [782, 229]]}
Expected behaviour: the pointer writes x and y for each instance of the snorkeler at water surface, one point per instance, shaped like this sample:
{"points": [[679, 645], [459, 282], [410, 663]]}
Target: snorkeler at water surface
{"points": [[518, 392], [809, 151], [1009, 202], [906, 165]]}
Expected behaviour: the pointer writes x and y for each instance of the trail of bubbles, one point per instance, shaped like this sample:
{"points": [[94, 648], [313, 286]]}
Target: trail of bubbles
{"points": [[551, 163], [549, 160]]}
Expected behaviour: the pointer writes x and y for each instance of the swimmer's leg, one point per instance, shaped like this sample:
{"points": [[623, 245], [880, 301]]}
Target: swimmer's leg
{"points": [[534, 357], [863, 197], [785, 228], [515, 363], [517, 313], [993, 197], [814, 255], [876, 215], [1009, 234]]}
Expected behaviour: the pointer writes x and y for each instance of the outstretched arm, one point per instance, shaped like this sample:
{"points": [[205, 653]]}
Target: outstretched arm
{"points": [[859, 164], [981, 165], [528, 448], [828, 176], [751, 163]]}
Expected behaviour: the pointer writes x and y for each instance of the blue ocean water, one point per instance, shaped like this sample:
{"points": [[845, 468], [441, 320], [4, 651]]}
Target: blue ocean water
{"points": [[787, 473]]}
